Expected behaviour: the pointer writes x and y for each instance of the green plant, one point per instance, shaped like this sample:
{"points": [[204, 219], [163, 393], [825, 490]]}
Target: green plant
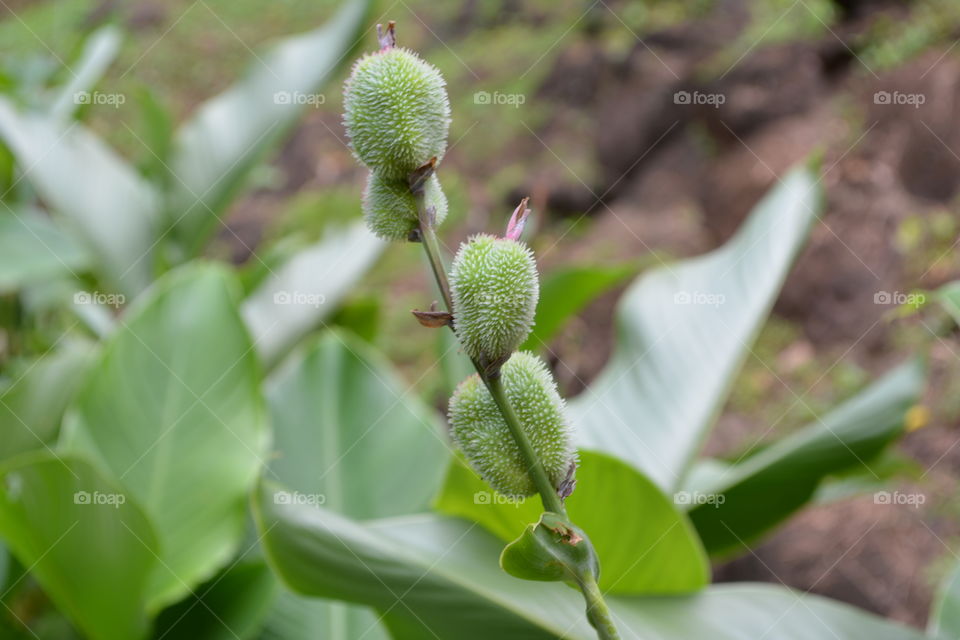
{"points": [[138, 446], [683, 331]]}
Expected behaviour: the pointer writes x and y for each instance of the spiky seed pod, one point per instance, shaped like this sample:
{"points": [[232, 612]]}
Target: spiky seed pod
{"points": [[480, 431], [396, 112], [495, 292], [390, 210]]}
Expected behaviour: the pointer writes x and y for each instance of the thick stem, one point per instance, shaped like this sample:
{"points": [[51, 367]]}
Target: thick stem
{"points": [[597, 611]]}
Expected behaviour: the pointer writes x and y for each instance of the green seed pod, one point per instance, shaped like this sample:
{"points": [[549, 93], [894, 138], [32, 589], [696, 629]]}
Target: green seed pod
{"points": [[495, 292], [396, 112], [390, 210], [480, 431]]}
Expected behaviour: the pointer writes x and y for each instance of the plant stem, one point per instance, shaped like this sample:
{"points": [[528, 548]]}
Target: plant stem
{"points": [[548, 493], [597, 611]]}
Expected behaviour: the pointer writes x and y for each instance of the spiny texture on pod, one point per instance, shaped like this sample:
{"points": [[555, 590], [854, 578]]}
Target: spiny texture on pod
{"points": [[390, 209], [480, 431], [396, 112], [495, 292]]}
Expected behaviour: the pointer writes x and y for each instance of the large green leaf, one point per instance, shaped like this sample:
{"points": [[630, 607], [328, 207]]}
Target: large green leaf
{"points": [[945, 613], [86, 542], [230, 606], [644, 544], [33, 402], [300, 294], [83, 180], [99, 51], [436, 577], [296, 617], [346, 430], [230, 133], [732, 507], [566, 291], [174, 413], [32, 250], [683, 331]]}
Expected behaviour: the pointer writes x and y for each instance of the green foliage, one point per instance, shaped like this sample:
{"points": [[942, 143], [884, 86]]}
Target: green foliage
{"points": [[480, 431]]}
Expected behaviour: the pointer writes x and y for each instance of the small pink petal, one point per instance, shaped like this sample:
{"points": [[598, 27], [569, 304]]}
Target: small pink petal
{"points": [[387, 40], [518, 220]]}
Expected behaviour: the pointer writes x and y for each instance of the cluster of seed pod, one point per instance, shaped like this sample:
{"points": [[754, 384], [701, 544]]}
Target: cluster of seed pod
{"points": [[397, 116]]}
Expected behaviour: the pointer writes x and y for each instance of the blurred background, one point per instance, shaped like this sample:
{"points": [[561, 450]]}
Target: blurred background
{"points": [[642, 131]]}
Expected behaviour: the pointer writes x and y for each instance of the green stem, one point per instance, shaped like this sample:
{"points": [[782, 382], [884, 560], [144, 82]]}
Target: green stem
{"points": [[548, 493], [597, 611]]}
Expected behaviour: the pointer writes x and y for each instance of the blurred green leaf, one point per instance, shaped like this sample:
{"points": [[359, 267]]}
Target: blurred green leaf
{"points": [[949, 298], [565, 292], [646, 546], [346, 430], [296, 617], [683, 332], [86, 542], [436, 577], [97, 192], [297, 296], [174, 413], [99, 50], [229, 134], [945, 613], [748, 498], [33, 402], [156, 136], [33, 249], [230, 606]]}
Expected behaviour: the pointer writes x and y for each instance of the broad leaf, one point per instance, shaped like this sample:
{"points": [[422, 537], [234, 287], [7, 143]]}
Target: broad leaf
{"points": [[949, 298], [296, 617], [644, 544], [301, 293], [33, 402], [945, 613], [99, 51], [435, 577], [565, 292], [345, 432], [349, 434], [187, 433], [232, 605], [83, 538], [230, 133], [731, 507], [683, 331], [33, 249], [83, 180]]}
